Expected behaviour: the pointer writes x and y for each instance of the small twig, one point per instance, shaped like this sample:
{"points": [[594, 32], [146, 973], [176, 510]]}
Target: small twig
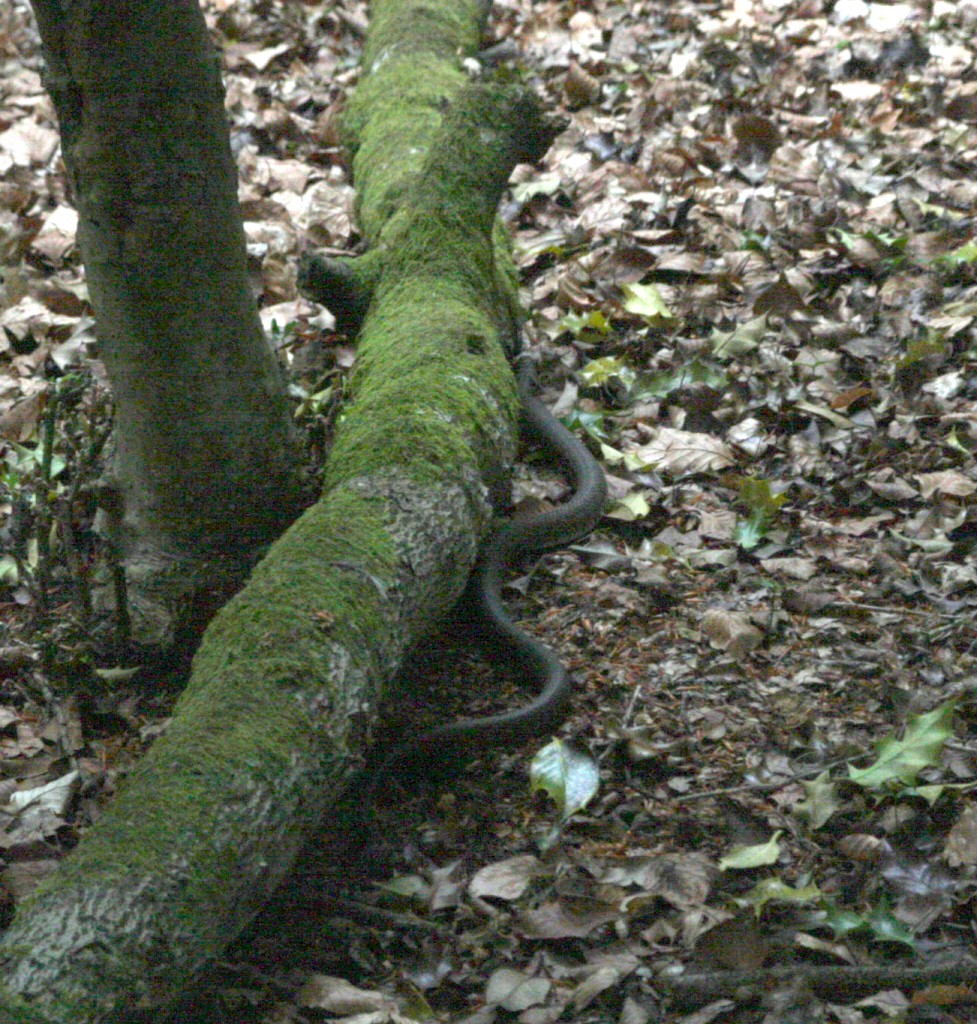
{"points": [[376, 915], [964, 748], [96, 443], [830, 982], [123, 625], [763, 787], [44, 513], [79, 588], [632, 703], [841, 606]]}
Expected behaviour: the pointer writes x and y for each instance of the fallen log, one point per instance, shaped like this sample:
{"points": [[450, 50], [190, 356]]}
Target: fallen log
{"points": [[284, 688]]}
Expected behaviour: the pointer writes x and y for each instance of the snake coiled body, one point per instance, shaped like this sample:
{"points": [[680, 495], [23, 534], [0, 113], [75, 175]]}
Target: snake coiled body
{"points": [[514, 540]]}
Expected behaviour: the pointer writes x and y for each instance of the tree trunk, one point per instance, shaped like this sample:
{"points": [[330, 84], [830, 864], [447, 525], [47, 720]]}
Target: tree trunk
{"points": [[284, 688], [202, 425]]}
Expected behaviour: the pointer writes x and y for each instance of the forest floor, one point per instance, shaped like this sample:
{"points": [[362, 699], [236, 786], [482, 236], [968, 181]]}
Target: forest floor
{"points": [[751, 269]]}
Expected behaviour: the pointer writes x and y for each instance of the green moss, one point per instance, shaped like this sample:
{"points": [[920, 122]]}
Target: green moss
{"points": [[430, 359], [263, 664], [429, 365], [412, 73], [408, 42], [442, 29], [16, 1011], [389, 157]]}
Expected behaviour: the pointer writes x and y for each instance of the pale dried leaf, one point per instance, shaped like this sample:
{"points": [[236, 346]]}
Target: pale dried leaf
{"points": [[681, 453], [795, 568], [947, 481], [506, 880], [53, 797], [961, 843], [57, 236], [338, 996], [514, 990], [28, 142], [565, 919]]}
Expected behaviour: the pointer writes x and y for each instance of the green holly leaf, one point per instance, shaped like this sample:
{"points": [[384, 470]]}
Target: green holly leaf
{"points": [[821, 803], [842, 921], [660, 385], [742, 858], [902, 760], [645, 300], [775, 890], [886, 927]]}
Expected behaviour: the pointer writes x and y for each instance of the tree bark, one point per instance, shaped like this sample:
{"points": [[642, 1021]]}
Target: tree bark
{"points": [[285, 685], [201, 420]]}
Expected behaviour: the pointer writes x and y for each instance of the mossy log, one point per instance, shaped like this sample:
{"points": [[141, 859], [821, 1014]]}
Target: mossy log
{"points": [[284, 687]]}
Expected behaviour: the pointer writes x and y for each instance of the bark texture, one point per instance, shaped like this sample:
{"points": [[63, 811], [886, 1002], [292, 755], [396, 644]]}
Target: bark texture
{"points": [[202, 424], [285, 684]]}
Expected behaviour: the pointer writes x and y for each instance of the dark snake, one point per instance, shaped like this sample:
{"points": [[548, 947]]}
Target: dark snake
{"points": [[511, 542]]}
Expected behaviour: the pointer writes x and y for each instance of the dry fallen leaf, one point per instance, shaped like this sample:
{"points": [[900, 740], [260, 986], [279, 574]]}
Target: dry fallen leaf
{"points": [[337, 996], [506, 880], [681, 453], [566, 919], [730, 631], [515, 991], [961, 843], [947, 481]]}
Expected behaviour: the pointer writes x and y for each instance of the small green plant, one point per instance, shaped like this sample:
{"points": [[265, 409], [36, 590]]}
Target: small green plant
{"points": [[763, 505], [568, 776]]}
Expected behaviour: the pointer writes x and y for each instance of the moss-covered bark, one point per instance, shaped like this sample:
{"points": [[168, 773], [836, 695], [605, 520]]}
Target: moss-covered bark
{"points": [[285, 685]]}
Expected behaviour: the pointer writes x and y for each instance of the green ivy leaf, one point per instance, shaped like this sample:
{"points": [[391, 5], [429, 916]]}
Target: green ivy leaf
{"points": [[931, 794], [757, 495], [630, 508], [952, 440], [9, 572], [28, 458], [749, 532], [591, 423], [961, 256], [842, 921], [594, 322]]}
